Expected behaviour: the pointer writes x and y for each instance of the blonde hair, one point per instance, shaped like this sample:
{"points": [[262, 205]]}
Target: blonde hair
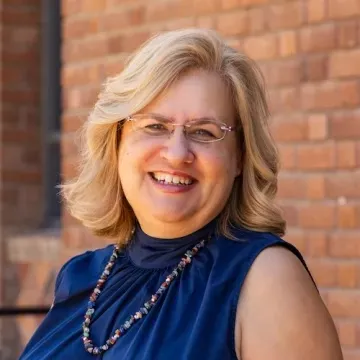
{"points": [[95, 196]]}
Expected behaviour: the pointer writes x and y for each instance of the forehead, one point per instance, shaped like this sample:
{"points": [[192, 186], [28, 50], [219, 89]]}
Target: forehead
{"points": [[195, 94]]}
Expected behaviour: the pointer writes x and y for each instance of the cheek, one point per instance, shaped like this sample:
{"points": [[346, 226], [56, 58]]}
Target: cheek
{"points": [[221, 165], [134, 154]]}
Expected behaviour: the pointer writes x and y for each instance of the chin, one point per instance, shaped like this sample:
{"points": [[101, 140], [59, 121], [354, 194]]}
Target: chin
{"points": [[172, 216]]}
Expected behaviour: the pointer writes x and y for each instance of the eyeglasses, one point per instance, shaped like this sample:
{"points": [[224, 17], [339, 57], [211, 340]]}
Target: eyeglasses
{"points": [[199, 130]]}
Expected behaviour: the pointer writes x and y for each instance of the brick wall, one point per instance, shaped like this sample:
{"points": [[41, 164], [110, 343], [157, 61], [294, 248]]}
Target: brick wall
{"points": [[26, 264], [309, 51]]}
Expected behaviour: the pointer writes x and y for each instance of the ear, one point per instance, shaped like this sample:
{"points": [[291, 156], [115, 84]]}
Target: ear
{"points": [[239, 163], [238, 171]]}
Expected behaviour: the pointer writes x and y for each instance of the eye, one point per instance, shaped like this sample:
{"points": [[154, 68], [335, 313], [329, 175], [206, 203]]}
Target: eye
{"points": [[153, 126], [156, 127], [206, 131]]}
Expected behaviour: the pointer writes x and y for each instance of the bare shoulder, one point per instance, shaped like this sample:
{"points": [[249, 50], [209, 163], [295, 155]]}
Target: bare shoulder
{"points": [[280, 313]]}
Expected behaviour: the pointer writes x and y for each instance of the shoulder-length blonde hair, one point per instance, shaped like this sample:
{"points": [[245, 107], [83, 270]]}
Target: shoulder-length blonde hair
{"points": [[95, 196]]}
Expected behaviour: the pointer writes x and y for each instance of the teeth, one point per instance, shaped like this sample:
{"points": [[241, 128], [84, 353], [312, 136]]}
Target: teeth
{"points": [[169, 179]]}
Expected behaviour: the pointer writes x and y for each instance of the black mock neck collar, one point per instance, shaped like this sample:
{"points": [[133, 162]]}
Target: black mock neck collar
{"points": [[151, 252]]}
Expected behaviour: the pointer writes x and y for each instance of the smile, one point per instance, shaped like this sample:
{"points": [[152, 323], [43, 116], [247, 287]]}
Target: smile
{"points": [[166, 178]]}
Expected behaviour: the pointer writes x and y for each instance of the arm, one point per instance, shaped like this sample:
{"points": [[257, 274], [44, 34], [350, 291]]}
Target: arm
{"points": [[280, 315]]}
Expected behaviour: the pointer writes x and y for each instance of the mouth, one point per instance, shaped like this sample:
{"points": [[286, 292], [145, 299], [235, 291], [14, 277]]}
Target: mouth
{"points": [[169, 179]]}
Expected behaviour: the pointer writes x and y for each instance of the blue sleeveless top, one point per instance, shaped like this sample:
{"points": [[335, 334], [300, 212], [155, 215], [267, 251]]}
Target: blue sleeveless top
{"points": [[193, 319]]}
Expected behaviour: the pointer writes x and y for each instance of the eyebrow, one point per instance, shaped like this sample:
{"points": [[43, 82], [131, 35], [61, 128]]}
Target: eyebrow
{"points": [[202, 118]]}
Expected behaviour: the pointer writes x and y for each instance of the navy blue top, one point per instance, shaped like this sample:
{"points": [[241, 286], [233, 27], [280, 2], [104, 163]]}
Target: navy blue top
{"points": [[194, 319]]}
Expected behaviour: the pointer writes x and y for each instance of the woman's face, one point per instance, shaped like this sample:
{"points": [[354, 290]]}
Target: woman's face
{"points": [[176, 185]]}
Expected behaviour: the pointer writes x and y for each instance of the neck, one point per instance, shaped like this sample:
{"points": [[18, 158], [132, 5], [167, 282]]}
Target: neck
{"points": [[172, 230]]}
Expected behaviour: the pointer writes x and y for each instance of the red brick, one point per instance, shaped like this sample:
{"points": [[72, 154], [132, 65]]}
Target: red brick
{"points": [[21, 56], [330, 95], [82, 75], [17, 16], [80, 97], [316, 156], [262, 47], [21, 39], [85, 49], [315, 187], [122, 20], [10, 196], [288, 43], [348, 216], [345, 125], [93, 6], [346, 330], [297, 238], [205, 6], [257, 20], [347, 274], [232, 4], [287, 156], [28, 96], [234, 23], [289, 128], [78, 238], [71, 123], [166, 10], [351, 354], [116, 4], [286, 15], [69, 168], [291, 187], [21, 176], [315, 67], [358, 153], [74, 237], [323, 271], [290, 215], [67, 220], [317, 216], [284, 100], [317, 243], [337, 9], [285, 73], [343, 184], [346, 154], [126, 42], [70, 7], [205, 22], [69, 147], [344, 303], [358, 327], [114, 67], [345, 245], [347, 34], [178, 24], [317, 127], [317, 38], [315, 10], [23, 4], [79, 28], [20, 77], [344, 63]]}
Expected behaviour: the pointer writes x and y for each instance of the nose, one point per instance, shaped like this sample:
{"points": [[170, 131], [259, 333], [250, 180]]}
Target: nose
{"points": [[176, 149]]}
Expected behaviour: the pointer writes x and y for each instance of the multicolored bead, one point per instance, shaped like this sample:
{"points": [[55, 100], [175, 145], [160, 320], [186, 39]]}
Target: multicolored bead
{"points": [[143, 311]]}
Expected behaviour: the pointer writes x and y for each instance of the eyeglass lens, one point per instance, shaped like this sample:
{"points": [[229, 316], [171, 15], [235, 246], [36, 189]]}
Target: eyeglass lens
{"points": [[201, 131]]}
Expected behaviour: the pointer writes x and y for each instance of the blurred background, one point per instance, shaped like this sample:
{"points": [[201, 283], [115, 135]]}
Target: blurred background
{"points": [[55, 56]]}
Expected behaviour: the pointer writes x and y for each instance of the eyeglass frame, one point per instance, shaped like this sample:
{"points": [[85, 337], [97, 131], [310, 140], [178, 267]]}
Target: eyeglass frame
{"points": [[223, 126]]}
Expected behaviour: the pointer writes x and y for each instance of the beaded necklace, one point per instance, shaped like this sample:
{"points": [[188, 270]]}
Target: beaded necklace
{"points": [[143, 311]]}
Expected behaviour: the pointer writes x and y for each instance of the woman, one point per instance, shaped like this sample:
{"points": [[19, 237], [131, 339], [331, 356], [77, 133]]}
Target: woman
{"points": [[180, 170]]}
